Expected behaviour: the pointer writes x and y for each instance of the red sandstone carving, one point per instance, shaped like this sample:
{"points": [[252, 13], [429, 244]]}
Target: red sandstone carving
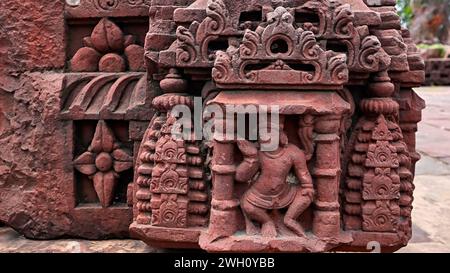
{"points": [[272, 190], [332, 183], [103, 162], [340, 71], [52, 118], [108, 50]]}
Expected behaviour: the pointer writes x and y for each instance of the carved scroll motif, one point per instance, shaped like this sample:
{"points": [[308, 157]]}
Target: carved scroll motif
{"points": [[110, 5], [335, 25], [192, 44], [335, 19], [106, 4], [364, 51], [169, 180], [292, 57]]}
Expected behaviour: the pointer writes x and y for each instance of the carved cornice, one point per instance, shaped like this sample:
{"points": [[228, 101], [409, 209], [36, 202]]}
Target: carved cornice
{"points": [[334, 26], [110, 8], [106, 96]]}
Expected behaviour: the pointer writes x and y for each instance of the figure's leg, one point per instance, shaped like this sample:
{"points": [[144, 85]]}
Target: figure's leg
{"points": [[260, 215], [250, 227], [298, 206]]}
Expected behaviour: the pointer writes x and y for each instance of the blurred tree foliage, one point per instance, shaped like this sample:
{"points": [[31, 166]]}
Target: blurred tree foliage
{"points": [[428, 20], [405, 10]]}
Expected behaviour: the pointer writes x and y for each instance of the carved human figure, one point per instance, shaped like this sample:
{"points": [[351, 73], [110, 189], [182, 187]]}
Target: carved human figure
{"points": [[271, 189]]}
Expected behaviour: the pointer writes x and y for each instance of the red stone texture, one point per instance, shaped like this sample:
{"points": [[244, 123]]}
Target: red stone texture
{"points": [[348, 122], [37, 188], [107, 49], [32, 36], [47, 120], [86, 144], [437, 71]]}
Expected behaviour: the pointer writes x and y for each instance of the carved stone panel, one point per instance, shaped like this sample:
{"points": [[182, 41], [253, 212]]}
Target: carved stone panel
{"points": [[82, 108], [97, 92], [339, 74]]}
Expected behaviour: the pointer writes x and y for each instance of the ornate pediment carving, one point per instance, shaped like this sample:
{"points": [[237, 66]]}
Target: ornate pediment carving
{"points": [[192, 44], [280, 54], [319, 36]]}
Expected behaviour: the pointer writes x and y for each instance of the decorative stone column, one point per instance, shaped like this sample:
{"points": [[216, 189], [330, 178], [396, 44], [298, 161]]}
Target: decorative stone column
{"points": [[327, 171], [223, 219], [163, 175], [411, 106], [386, 163]]}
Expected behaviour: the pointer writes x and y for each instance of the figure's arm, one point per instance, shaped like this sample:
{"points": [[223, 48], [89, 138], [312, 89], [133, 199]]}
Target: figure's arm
{"points": [[302, 173], [247, 169], [301, 169]]}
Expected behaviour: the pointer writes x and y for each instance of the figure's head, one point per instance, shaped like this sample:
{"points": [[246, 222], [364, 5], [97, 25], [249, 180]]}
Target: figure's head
{"points": [[273, 136]]}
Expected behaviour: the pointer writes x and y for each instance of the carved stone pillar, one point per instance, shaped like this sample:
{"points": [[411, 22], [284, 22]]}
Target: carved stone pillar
{"points": [[163, 174], [411, 106], [223, 219], [386, 162], [327, 170]]}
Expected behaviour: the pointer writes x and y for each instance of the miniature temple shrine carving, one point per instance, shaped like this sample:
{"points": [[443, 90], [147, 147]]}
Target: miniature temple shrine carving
{"points": [[88, 146]]}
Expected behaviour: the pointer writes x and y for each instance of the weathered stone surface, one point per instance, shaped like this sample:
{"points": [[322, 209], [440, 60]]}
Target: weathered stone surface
{"points": [[36, 192], [351, 188], [108, 50], [111, 62], [107, 37], [134, 55], [105, 8], [48, 119], [85, 60], [32, 36], [12, 242], [340, 176], [430, 232]]}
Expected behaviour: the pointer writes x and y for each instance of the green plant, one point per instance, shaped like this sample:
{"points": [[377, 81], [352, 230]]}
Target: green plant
{"points": [[440, 47], [405, 10]]}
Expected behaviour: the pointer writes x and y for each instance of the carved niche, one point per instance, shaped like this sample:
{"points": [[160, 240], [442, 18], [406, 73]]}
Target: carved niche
{"points": [[107, 49], [106, 97]]}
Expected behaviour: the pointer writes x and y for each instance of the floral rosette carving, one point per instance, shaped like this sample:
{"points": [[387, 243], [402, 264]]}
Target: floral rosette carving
{"points": [[108, 49], [103, 161]]}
